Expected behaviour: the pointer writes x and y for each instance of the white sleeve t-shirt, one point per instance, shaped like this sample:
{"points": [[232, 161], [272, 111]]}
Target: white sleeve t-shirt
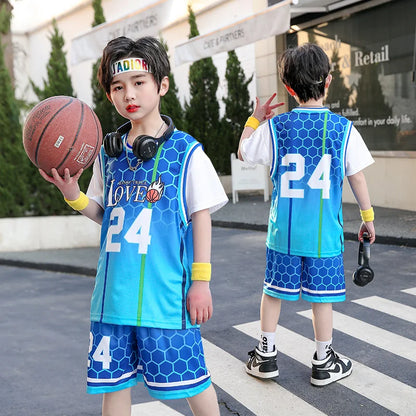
{"points": [[257, 149]]}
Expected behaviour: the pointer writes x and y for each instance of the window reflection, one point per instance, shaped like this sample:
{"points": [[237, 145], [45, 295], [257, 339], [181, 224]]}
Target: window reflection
{"points": [[372, 59]]}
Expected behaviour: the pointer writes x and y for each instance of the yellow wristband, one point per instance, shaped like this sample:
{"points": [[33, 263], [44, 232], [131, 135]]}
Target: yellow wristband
{"points": [[80, 203], [201, 271], [252, 122], [367, 215]]}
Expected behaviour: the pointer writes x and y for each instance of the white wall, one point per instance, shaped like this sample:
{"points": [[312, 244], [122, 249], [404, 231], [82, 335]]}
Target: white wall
{"points": [[391, 181], [42, 233]]}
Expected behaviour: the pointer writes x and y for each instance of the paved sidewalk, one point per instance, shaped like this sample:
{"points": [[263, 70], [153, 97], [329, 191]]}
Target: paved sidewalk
{"points": [[395, 227]]}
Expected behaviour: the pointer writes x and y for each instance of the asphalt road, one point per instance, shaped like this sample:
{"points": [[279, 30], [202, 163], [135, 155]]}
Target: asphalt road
{"points": [[45, 324]]}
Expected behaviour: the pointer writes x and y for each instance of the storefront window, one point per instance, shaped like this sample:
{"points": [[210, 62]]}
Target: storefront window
{"points": [[372, 55]]}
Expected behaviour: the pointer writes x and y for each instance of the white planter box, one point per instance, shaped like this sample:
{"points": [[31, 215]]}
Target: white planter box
{"points": [[40, 233]]}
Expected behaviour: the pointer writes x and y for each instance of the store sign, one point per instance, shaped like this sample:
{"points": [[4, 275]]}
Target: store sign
{"points": [[246, 177], [145, 22], [372, 57], [272, 21]]}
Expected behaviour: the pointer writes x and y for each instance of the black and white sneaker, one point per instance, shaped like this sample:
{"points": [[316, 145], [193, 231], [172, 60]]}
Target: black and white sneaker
{"points": [[330, 369], [262, 364]]}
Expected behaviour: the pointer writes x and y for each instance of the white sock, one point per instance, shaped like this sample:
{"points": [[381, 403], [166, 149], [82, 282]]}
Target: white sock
{"points": [[322, 349], [266, 343]]}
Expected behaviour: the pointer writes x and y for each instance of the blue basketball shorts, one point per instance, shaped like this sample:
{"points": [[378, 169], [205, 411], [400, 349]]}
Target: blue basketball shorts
{"points": [[170, 362], [316, 279]]}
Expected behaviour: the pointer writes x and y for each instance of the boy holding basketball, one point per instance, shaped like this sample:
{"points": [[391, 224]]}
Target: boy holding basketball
{"points": [[309, 150], [153, 189]]}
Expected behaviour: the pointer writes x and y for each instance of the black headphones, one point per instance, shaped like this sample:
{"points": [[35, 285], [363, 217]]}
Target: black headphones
{"points": [[364, 274], [144, 147]]}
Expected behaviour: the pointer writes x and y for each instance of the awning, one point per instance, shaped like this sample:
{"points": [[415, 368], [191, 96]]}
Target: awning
{"points": [[149, 21], [271, 21], [145, 22]]}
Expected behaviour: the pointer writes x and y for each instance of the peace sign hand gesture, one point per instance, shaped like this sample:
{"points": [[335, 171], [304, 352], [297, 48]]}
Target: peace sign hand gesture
{"points": [[265, 111]]}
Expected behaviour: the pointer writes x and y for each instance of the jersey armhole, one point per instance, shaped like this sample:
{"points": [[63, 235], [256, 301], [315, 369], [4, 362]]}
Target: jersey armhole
{"points": [[274, 149], [346, 139], [183, 207]]}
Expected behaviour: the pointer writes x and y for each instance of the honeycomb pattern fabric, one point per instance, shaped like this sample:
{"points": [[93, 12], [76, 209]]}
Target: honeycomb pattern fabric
{"points": [[170, 362], [317, 279], [307, 172], [146, 252]]}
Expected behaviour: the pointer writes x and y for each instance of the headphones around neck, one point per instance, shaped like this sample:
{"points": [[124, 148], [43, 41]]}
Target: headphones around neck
{"points": [[144, 147], [364, 274]]}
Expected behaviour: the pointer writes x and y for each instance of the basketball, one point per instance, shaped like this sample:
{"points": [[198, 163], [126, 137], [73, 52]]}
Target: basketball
{"points": [[152, 195], [62, 132]]}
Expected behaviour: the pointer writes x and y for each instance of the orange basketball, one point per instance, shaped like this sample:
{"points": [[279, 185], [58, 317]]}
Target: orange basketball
{"points": [[62, 132], [152, 195]]}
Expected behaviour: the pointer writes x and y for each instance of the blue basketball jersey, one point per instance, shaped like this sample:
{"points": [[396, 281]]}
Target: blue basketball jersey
{"points": [[307, 172], [146, 251]]}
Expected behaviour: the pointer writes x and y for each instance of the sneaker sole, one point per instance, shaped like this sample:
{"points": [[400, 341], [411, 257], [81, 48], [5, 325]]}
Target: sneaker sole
{"points": [[330, 380], [257, 374]]}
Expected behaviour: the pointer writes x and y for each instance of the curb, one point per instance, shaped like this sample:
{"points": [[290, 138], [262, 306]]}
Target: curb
{"points": [[348, 235], [50, 267]]}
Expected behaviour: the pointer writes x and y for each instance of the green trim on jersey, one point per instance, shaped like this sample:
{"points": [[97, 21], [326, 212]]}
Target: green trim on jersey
{"points": [[321, 206], [143, 256]]}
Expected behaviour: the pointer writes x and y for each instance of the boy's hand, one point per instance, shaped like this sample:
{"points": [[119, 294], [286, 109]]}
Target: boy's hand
{"points": [[265, 111], [367, 227], [68, 185], [199, 302]]}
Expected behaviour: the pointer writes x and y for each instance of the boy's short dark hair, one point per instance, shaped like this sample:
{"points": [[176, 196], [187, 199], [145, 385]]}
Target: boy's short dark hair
{"points": [[147, 48], [305, 69]]}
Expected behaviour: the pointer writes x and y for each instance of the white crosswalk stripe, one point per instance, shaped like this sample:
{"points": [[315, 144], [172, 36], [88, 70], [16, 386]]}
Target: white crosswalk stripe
{"points": [[390, 307], [154, 409], [411, 291], [396, 344], [384, 390]]}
